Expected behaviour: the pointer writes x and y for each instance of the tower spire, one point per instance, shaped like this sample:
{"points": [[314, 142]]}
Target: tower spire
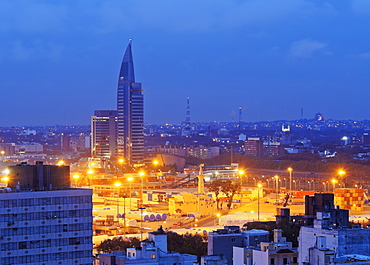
{"points": [[240, 118], [187, 121], [127, 67]]}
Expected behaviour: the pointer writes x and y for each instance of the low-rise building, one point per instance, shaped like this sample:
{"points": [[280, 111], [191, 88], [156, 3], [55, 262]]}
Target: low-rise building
{"points": [[278, 252], [222, 241], [152, 251]]}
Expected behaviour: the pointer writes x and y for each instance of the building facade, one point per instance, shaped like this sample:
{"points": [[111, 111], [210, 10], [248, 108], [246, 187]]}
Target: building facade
{"points": [[104, 133], [152, 251], [130, 113], [46, 227]]}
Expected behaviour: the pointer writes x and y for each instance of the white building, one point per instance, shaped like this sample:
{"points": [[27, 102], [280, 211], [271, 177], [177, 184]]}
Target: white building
{"points": [[222, 241], [323, 243], [152, 251], [46, 227], [278, 252]]}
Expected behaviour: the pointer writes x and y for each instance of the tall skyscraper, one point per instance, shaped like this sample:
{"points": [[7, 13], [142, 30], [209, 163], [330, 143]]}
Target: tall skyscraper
{"points": [[130, 112]]}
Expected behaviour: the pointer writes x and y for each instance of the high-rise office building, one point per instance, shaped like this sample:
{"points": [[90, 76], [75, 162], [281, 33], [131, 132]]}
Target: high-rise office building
{"points": [[46, 227], [130, 113], [104, 133], [43, 221]]}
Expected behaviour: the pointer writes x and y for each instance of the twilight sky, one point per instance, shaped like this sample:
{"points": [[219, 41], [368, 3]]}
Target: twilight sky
{"points": [[60, 59]]}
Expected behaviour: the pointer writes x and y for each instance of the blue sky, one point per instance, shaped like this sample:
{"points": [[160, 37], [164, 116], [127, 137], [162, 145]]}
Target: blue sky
{"points": [[59, 60]]}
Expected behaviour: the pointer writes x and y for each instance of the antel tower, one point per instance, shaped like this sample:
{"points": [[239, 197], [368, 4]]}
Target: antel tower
{"points": [[130, 113]]}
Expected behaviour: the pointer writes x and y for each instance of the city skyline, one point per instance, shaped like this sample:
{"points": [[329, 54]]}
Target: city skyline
{"points": [[306, 54]]}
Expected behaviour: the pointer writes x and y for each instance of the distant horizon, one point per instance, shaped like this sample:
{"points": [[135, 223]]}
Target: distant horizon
{"points": [[193, 122]]}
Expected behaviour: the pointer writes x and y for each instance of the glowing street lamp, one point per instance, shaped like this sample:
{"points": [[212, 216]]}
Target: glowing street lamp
{"points": [[117, 185], [277, 190], [334, 181], [61, 163], [75, 177], [241, 173], [341, 174], [130, 179], [90, 172], [5, 180], [142, 174], [121, 161], [259, 186], [290, 169], [155, 162], [218, 215]]}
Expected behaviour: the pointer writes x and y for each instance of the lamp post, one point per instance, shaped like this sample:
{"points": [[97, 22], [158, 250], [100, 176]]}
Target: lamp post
{"points": [[241, 173], [90, 172], [121, 161], [142, 174], [290, 169], [218, 218], [277, 190], [130, 179], [334, 181], [2, 153], [141, 223], [75, 177], [259, 186], [117, 184], [341, 174]]}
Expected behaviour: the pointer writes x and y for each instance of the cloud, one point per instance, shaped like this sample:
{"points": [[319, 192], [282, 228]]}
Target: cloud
{"points": [[31, 16], [167, 15], [306, 48], [365, 55], [20, 51], [199, 15]]}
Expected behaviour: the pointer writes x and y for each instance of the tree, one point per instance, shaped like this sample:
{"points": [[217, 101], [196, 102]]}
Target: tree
{"points": [[230, 188], [117, 244], [187, 243], [215, 186]]}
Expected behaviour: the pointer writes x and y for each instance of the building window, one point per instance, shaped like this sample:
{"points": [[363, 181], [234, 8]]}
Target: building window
{"points": [[233, 240], [152, 256], [295, 260], [272, 261], [285, 261]]}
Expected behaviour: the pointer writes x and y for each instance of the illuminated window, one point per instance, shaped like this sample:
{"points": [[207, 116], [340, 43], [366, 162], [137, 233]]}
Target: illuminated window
{"points": [[153, 256]]}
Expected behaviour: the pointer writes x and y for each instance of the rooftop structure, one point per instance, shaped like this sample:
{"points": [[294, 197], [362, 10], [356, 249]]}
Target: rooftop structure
{"points": [[151, 251], [222, 241]]}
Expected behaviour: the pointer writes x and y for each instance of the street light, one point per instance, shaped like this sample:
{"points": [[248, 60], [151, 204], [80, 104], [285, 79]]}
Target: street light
{"points": [[90, 172], [121, 161], [290, 169], [334, 181], [241, 173], [341, 174], [6, 180], [218, 218], [277, 190], [75, 177], [61, 163], [130, 179], [141, 222], [259, 186], [118, 185], [142, 174]]}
